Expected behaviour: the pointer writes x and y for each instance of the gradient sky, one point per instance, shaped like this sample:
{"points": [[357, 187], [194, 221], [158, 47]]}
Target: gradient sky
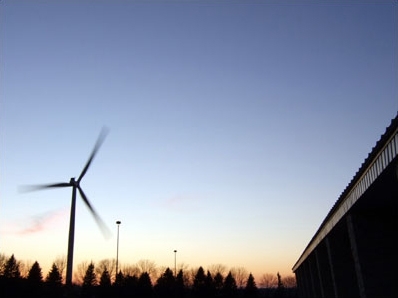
{"points": [[234, 126]]}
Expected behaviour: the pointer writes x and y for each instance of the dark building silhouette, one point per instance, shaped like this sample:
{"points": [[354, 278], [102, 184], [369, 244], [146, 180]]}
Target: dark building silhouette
{"points": [[354, 251]]}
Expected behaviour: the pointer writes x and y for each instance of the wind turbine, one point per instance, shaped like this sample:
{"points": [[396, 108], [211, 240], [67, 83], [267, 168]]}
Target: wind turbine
{"points": [[75, 184]]}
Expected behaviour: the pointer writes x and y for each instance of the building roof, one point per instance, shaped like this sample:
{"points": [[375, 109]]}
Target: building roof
{"points": [[388, 134]]}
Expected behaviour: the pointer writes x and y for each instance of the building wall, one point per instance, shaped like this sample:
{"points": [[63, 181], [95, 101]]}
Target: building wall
{"points": [[358, 257]]}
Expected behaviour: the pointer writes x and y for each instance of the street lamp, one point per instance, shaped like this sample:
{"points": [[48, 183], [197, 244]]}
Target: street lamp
{"points": [[117, 248], [175, 262]]}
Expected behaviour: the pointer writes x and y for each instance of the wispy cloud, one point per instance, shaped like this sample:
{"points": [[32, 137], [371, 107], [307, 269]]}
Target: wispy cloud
{"points": [[41, 222], [180, 203]]}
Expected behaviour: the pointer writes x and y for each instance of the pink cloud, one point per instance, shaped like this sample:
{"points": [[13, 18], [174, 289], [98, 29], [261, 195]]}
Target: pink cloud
{"points": [[180, 203], [42, 221]]}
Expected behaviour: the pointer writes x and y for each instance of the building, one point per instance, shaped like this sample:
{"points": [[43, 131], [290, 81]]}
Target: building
{"points": [[354, 251]]}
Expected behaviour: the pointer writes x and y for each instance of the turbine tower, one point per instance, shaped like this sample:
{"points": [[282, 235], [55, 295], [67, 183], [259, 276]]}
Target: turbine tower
{"points": [[75, 184]]}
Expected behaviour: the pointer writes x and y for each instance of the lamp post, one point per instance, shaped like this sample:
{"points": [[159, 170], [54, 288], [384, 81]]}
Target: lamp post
{"points": [[117, 248], [175, 262]]}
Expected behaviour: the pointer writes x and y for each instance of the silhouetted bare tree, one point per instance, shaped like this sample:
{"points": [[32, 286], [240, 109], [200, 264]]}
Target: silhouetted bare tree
{"points": [[131, 270], [24, 267], [240, 274], [147, 266], [289, 281], [80, 272], [3, 260], [60, 262], [217, 268], [189, 276], [268, 281], [105, 264]]}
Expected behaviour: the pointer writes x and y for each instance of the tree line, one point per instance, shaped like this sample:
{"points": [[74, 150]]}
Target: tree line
{"points": [[140, 281]]}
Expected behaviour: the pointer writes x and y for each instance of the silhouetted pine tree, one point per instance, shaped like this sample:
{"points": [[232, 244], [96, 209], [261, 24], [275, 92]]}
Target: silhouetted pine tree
{"points": [[53, 284], [35, 280], [118, 285], [218, 283], [280, 283], [130, 286], [119, 278], [89, 281], [251, 288], [210, 289], [35, 275], [144, 286], [105, 286], [230, 289], [11, 268], [105, 279], [179, 285], [11, 281], [280, 288], [54, 277], [199, 283], [165, 284]]}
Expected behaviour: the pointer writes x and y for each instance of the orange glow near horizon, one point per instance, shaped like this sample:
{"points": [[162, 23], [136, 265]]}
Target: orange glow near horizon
{"points": [[257, 271]]}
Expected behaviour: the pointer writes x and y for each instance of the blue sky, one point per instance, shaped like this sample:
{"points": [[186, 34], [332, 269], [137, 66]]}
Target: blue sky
{"points": [[233, 125]]}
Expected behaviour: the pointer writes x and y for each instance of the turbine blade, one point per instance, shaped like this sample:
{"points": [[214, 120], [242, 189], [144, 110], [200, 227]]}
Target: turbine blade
{"points": [[98, 144], [104, 228], [28, 188]]}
